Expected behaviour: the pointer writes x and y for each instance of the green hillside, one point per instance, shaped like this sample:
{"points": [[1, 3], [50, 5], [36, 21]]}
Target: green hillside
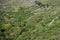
{"points": [[30, 20]]}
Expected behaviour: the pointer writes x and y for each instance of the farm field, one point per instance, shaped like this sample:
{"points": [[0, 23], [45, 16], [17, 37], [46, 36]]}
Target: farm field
{"points": [[30, 20]]}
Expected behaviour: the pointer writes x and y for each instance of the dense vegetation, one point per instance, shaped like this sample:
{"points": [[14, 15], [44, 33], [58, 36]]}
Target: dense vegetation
{"points": [[39, 21]]}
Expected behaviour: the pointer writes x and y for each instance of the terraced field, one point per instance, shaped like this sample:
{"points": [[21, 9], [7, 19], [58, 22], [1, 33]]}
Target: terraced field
{"points": [[30, 22]]}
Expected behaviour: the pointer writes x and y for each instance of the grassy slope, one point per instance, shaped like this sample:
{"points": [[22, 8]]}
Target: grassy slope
{"points": [[41, 23]]}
